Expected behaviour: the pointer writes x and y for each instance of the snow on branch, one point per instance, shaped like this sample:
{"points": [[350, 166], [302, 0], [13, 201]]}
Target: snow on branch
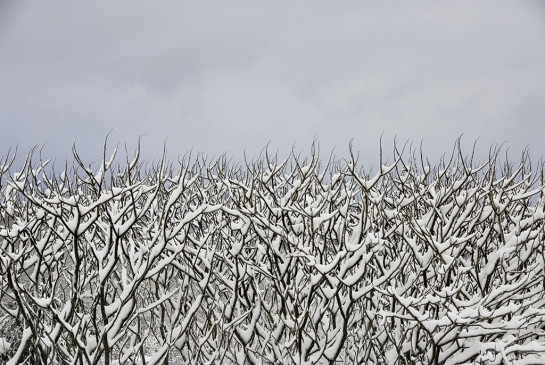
{"points": [[289, 262]]}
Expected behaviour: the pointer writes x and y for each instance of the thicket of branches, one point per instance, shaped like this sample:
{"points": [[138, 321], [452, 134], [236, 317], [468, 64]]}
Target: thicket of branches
{"points": [[273, 262]]}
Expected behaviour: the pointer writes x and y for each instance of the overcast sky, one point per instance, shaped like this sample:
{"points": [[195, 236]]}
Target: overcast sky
{"points": [[230, 76]]}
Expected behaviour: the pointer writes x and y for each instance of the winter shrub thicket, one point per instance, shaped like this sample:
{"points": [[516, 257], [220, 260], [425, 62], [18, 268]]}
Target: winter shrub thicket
{"points": [[273, 262]]}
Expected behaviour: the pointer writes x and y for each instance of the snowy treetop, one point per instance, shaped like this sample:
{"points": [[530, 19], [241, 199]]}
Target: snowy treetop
{"points": [[298, 261]]}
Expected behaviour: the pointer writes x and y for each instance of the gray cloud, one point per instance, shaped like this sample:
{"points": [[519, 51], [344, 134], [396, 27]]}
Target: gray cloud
{"points": [[220, 76]]}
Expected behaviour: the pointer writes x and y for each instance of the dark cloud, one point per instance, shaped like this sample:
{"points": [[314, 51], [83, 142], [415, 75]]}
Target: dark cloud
{"points": [[217, 76]]}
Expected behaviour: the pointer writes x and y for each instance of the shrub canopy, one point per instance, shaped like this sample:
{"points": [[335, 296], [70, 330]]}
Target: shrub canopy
{"points": [[292, 262]]}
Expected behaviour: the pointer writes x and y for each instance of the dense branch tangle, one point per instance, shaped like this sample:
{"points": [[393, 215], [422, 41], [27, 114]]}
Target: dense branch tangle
{"points": [[292, 262]]}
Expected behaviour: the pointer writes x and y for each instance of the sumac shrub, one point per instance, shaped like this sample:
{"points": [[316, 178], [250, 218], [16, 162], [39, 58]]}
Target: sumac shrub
{"points": [[297, 261]]}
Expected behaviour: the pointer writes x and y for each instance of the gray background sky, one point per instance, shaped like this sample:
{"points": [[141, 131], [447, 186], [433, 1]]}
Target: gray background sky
{"points": [[231, 76]]}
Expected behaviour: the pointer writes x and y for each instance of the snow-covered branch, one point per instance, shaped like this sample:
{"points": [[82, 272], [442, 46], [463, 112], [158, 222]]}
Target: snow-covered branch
{"points": [[272, 262]]}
